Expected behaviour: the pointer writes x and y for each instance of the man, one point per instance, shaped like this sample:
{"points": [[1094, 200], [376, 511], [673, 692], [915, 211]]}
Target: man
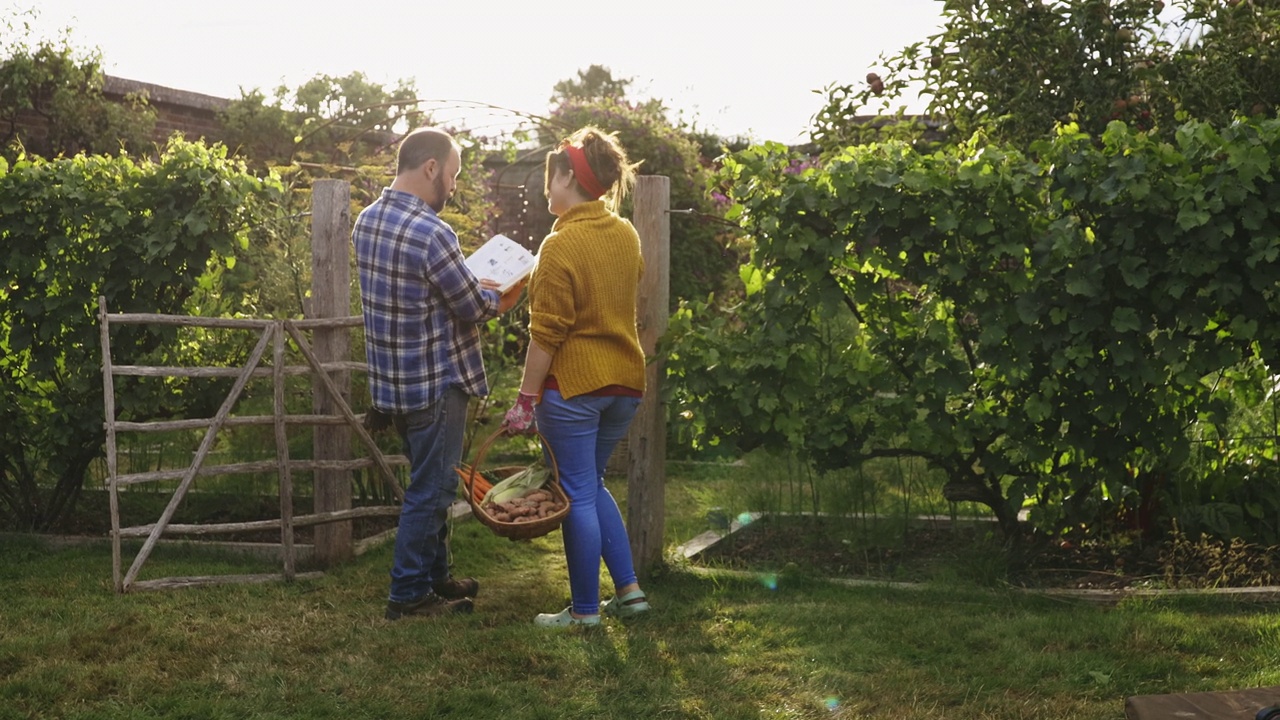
{"points": [[422, 309]]}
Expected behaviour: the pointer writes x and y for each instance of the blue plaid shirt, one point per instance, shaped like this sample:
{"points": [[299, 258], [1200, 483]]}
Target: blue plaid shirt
{"points": [[422, 305]]}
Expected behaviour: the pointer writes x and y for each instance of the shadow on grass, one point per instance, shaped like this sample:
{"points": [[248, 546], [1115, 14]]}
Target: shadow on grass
{"points": [[786, 646]]}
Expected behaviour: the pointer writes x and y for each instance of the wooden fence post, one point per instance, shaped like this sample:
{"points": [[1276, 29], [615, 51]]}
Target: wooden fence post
{"points": [[331, 298], [647, 437]]}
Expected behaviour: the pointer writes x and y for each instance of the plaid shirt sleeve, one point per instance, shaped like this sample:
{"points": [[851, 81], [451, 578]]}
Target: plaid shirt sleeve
{"points": [[421, 305]]}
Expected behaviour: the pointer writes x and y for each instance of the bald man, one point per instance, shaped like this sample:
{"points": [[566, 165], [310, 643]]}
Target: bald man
{"points": [[422, 314]]}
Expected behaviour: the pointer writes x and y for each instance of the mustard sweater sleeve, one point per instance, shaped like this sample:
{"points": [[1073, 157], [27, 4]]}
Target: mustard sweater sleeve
{"points": [[551, 306]]}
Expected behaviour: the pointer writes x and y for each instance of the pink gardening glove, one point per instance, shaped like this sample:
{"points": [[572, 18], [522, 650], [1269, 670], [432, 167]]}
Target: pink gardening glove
{"points": [[519, 419]]}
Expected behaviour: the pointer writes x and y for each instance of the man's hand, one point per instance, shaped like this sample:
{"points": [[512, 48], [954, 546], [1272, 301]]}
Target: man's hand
{"points": [[519, 419]]}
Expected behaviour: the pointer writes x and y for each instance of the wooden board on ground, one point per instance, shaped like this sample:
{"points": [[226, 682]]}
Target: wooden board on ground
{"points": [[1225, 705]]}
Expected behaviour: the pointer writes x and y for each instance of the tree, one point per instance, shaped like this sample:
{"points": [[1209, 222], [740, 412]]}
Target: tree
{"points": [[335, 121], [1015, 69], [1229, 63], [52, 102], [594, 83]]}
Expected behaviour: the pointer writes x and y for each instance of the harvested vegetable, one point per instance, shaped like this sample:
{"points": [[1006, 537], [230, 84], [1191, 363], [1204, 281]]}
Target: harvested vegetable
{"points": [[537, 504], [518, 485]]}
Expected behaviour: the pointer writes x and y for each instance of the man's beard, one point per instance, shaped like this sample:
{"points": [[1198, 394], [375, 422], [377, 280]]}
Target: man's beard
{"points": [[441, 196]]}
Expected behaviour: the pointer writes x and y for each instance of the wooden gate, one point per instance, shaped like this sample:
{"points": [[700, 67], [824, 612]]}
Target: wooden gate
{"points": [[272, 334]]}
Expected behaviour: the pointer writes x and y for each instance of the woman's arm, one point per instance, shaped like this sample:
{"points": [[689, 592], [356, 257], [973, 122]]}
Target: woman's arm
{"points": [[536, 364], [519, 419]]}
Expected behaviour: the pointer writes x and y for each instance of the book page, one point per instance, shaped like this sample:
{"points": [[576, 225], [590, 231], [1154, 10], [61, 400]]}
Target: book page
{"points": [[502, 260]]}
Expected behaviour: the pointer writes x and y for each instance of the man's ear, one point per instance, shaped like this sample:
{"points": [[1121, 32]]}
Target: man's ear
{"points": [[430, 168]]}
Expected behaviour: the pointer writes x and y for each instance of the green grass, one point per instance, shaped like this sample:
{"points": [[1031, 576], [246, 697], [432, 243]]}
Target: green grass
{"points": [[714, 646]]}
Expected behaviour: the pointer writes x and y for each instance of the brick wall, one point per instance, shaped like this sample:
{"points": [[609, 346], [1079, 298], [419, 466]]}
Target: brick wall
{"points": [[31, 126], [192, 114]]}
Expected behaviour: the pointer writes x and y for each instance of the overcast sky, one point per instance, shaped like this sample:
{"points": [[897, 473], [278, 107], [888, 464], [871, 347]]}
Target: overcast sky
{"points": [[733, 67]]}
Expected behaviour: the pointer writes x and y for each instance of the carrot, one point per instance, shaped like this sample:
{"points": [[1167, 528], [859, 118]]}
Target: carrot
{"points": [[479, 485]]}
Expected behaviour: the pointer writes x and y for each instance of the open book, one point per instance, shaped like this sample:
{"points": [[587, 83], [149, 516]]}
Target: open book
{"points": [[502, 260]]}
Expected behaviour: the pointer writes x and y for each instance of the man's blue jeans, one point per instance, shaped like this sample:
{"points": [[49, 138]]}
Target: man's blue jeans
{"points": [[582, 432], [433, 443]]}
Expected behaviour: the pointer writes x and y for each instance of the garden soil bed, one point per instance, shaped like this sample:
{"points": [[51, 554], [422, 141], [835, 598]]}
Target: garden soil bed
{"points": [[834, 547], [925, 550]]}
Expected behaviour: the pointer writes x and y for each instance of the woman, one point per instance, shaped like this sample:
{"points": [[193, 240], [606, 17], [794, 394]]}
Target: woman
{"points": [[584, 372]]}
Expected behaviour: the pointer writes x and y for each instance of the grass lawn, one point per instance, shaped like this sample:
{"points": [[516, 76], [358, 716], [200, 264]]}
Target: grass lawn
{"points": [[714, 646]]}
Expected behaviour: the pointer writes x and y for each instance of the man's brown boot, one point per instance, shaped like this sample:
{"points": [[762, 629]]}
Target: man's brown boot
{"points": [[455, 589], [429, 604]]}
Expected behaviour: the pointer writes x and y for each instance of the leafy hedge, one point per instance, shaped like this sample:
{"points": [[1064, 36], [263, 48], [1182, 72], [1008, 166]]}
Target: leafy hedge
{"points": [[151, 237], [1063, 332]]}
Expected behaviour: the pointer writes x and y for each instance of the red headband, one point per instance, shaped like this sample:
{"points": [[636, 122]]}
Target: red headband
{"points": [[582, 171]]}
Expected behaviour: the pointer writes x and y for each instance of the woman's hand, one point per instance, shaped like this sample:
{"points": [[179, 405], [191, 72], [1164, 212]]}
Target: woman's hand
{"points": [[511, 297], [508, 299], [519, 419]]}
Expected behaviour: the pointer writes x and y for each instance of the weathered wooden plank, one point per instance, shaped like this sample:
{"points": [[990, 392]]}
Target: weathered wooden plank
{"points": [[109, 413], [164, 371], [187, 321], [282, 457], [201, 423], [199, 580], [374, 452], [205, 446], [330, 298], [176, 529], [347, 321], [263, 466], [647, 437]]}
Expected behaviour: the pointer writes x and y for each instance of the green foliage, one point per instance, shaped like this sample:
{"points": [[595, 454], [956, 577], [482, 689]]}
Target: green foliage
{"points": [[594, 83], [1014, 69], [345, 121], [1230, 66], [701, 258], [1044, 333], [147, 236], [62, 88]]}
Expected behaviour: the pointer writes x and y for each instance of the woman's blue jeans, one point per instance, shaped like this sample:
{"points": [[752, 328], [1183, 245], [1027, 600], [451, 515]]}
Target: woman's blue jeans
{"points": [[433, 443], [582, 432]]}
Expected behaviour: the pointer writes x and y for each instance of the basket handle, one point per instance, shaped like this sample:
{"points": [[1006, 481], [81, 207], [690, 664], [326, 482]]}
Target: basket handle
{"points": [[484, 451]]}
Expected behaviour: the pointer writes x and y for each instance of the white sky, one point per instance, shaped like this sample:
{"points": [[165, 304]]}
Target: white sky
{"points": [[736, 67]]}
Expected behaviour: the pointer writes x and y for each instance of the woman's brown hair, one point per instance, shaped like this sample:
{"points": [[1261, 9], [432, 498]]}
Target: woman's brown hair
{"points": [[605, 156]]}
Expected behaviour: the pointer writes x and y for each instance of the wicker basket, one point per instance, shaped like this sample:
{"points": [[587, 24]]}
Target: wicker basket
{"points": [[513, 530]]}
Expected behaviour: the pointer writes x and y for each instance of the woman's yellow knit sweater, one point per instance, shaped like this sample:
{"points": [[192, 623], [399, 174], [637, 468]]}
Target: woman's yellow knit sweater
{"points": [[582, 301]]}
